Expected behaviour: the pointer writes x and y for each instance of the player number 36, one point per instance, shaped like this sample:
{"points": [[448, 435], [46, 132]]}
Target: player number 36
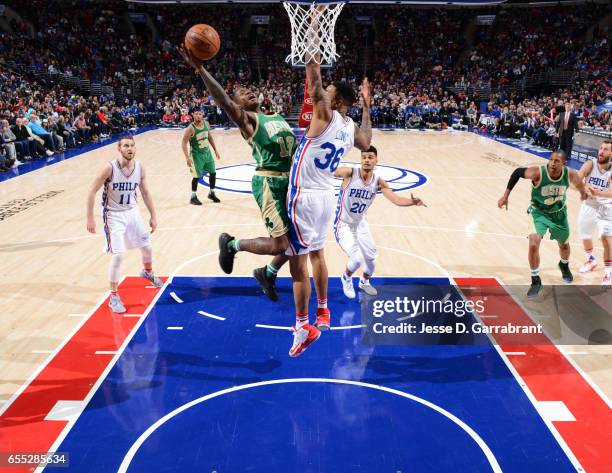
{"points": [[331, 159]]}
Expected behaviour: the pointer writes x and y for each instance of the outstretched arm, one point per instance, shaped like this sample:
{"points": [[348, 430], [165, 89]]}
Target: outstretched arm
{"points": [[242, 119], [104, 174], [398, 200], [343, 172], [532, 173], [363, 134], [322, 112]]}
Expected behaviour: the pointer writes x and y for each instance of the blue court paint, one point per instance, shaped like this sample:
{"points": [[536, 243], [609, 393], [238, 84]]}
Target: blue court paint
{"points": [[309, 427]]}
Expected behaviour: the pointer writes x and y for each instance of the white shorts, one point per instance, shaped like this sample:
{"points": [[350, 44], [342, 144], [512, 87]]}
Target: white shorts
{"points": [[310, 213], [356, 237], [124, 230], [591, 217]]}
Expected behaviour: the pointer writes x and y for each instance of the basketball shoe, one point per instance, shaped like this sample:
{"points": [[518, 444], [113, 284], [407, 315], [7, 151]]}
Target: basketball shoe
{"points": [[195, 201], [365, 286], [565, 272], [303, 337], [589, 265], [323, 318], [151, 278], [114, 302], [226, 256], [535, 288], [213, 197], [347, 286], [267, 284], [607, 279]]}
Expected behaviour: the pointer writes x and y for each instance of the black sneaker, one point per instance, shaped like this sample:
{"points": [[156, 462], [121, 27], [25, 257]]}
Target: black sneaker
{"points": [[535, 288], [195, 201], [267, 284], [213, 197], [565, 272], [226, 256]]}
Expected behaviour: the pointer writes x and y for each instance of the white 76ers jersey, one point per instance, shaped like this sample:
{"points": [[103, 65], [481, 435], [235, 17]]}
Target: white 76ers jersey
{"points": [[599, 180], [120, 190], [317, 157], [355, 199]]}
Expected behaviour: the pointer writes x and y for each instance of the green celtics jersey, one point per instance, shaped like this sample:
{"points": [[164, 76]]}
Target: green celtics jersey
{"points": [[549, 195], [273, 143], [199, 139]]}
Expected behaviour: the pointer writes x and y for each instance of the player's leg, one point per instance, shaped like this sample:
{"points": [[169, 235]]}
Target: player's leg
{"points": [[587, 221], [147, 266], [115, 225], [196, 173], [560, 231], [605, 229], [266, 275], [321, 210], [304, 334], [321, 281], [347, 240], [368, 250], [210, 168], [534, 265]]}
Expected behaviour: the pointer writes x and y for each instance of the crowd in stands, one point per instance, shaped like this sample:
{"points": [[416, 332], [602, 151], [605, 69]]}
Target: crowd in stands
{"points": [[432, 84]]}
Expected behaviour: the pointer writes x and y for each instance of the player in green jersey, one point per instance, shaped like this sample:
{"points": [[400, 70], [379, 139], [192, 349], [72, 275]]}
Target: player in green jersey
{"points": [[273, 144], [547, 211], [199, 158]]}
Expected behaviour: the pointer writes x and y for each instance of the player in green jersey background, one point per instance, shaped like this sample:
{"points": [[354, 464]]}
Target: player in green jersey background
{"points": [[199, 158], [547, 211]]}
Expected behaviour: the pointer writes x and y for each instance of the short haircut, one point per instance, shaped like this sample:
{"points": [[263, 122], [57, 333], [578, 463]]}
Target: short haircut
{"points": [[561, 153], [371, 149], [345, 92], [126, 137], [607, 141]]}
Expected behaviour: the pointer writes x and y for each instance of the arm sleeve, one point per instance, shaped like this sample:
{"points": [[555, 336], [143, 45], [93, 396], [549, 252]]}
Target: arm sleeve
{"points": [[516, 175]]}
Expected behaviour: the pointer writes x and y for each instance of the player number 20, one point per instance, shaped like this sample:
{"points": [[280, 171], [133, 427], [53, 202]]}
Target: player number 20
{"points": [[357, 208], [331, 159]]}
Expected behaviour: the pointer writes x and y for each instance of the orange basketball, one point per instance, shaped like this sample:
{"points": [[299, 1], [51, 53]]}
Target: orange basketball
{"points": [[203, 41]]}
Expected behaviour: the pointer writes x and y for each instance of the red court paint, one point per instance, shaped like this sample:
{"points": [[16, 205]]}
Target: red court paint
{"points": [[550, 377], [70, 374]]}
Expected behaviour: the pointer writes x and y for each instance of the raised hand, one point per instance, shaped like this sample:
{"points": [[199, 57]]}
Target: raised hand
{"points": [[189, 58], [365, 92]]}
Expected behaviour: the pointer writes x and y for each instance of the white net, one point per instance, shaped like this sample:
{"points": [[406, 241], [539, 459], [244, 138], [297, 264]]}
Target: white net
{"points": [[312, 32]]}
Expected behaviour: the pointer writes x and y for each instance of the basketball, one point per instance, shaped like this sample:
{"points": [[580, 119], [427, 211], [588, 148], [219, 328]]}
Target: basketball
{"points": [[203, 41]]}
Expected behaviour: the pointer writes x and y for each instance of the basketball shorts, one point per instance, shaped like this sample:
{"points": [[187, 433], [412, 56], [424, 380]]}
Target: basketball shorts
{"points": [[310, 212], [124, 230], [270, 192], [556, 223], [203, 163], [356, 237], [595, 216]]}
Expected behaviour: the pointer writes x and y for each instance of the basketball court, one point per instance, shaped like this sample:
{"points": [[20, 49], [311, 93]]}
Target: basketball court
{"points": [[196, 375]]}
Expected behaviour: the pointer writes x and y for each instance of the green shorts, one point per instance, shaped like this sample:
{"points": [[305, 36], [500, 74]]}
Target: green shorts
{"points": [[270, 192], [203, 163], [556, 223]]}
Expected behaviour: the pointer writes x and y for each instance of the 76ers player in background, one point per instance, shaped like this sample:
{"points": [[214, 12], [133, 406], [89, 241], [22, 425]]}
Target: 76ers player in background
{"points": [[123, 227], [351, 230], [597, 211], [311, 199]]}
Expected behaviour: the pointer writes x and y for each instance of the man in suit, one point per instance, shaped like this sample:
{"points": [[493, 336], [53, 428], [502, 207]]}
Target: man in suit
{"points": [[566, 124]]}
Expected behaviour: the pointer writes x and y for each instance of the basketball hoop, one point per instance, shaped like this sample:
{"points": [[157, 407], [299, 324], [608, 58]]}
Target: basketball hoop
{"points": [[312, 32]]}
